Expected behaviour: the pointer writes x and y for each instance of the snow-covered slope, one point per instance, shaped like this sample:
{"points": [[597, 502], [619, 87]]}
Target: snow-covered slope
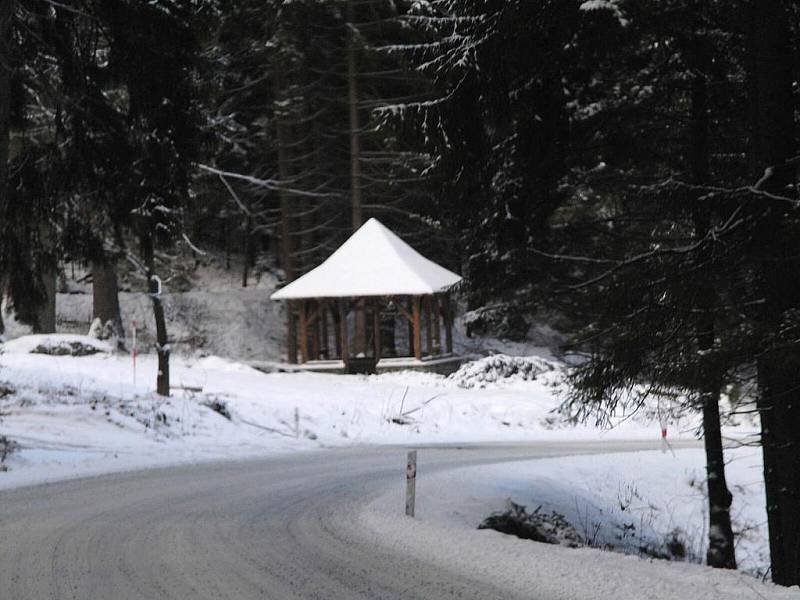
{"points": [[450, 506], [79, 415], [78, 412], [637, 503]]}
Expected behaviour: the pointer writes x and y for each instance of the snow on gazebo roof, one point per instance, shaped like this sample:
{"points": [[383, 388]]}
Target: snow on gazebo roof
{"points": [[372, 262]]}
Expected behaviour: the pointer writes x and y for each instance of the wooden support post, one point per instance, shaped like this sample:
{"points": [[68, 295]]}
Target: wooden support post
{"points": [[303, 331], [437, 331], [376, 328], [416, 311], [409, 304], [344, 348], [360, 326], [291, 333], [428, 316], [323, 324], [337, 330], [315, 333], [448, 324]]}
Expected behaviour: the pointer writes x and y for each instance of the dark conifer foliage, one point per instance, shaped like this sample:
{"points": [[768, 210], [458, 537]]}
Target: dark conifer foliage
{"points": [[511, 78], [106, 132]]}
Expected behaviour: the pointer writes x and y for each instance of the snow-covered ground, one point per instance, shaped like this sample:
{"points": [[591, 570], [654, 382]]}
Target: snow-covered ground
{"points": [[633, 502], [589, 489], [82, 415], [75, 415]]}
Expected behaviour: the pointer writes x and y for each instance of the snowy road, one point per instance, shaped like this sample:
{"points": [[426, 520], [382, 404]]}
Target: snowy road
{"points": [[280, 528]]}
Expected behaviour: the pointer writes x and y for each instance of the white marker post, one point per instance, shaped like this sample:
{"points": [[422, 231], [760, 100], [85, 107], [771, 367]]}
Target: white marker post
{"points": [[411, 482], [133, 353]]}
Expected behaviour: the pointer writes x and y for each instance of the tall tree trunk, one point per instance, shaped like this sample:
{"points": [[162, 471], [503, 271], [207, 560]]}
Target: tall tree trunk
{"points": [[360, 314], [6, 15], [162, 344], [721, 549], [2, 298], [355, 141], [775, 246], [105, 297], [287, 239]]}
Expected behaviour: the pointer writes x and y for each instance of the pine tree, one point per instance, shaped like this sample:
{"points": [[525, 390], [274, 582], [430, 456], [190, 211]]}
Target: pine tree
{"points": [[33, 207], [154, 48], [775, 248], [641, 238]]}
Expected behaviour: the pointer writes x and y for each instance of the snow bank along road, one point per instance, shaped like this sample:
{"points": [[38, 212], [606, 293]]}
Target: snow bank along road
{"points": [[306, 526]]}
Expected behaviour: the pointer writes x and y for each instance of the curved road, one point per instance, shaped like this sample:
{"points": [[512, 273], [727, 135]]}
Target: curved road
{"points": [[274, 528]]}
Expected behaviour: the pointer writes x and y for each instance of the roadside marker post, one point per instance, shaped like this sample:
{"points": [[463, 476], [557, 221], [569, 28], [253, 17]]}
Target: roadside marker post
{"points": [[411, 482]]}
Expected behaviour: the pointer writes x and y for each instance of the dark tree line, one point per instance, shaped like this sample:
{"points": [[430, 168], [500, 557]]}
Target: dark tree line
{"points": [[626, 168], [104, 129]]}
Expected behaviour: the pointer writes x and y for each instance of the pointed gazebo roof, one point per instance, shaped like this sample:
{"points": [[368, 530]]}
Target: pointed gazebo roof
{"points": [[372, 262]]}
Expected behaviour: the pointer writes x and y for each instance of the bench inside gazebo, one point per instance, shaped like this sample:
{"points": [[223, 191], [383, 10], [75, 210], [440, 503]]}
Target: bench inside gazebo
{"points": [[369, 285]]}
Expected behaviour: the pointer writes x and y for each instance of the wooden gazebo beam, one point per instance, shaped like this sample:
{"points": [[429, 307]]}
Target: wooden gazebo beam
{"points": [[344, 348], [323, 328], [429, 324], [376, 328], [417, 325], [291, 333], [302, 330]]}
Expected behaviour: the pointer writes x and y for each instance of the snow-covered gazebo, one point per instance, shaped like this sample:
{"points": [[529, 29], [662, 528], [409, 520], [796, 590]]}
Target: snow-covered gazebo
{"points": [[374, 274]]}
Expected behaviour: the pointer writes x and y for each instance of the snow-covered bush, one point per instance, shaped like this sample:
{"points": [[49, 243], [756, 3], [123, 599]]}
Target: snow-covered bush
{"points": [[56, 345], [500, 369], [218, 406], [7, 447], [549, 528]]}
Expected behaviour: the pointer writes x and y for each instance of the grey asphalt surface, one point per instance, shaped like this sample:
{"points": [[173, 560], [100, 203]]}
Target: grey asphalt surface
{"points": [[267, 528]]}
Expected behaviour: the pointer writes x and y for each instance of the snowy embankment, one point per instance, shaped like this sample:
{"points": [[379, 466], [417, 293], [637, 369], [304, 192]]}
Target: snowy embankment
{"points": [[638, 503], [625, 500], [84, 415], [76, 415]]}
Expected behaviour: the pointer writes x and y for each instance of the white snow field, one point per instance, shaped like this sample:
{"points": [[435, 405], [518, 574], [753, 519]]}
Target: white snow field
{"points": [[450, 504], [624, 501], [77, 415], [84, 415]]}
